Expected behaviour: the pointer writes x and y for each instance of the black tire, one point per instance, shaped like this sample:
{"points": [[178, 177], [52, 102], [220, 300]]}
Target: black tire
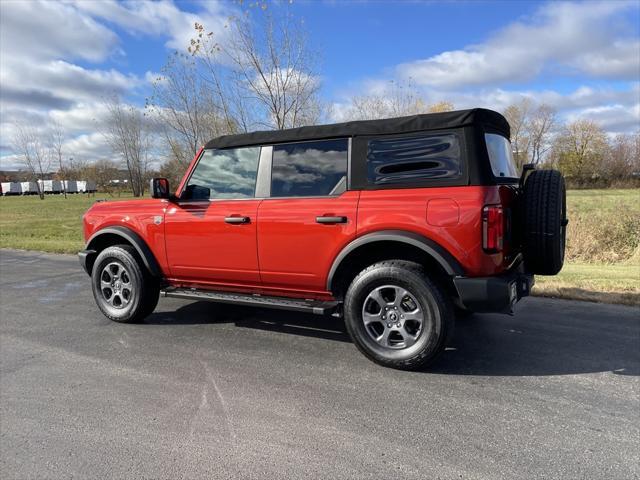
{"points": [[121, 264], [545, 221], [428, 297]]}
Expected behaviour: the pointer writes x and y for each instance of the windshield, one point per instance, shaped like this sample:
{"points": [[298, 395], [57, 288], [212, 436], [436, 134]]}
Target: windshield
{"points": [[500, 156]]}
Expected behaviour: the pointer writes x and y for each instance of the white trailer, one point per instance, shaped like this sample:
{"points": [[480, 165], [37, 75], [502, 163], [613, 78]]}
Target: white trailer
{"points": [[29, 188], [11, 188], [51, 186], [71, 186], [81, 186]]}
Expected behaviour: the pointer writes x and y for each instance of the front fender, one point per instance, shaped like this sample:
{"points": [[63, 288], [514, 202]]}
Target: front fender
{"points": [[97, 242]]}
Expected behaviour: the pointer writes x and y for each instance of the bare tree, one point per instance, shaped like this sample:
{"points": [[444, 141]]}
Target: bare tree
{"points": [[263, 75], [103, 172], [57, 142], [397, 99], [539, 128], [580, 148], [442, 106], [517, 115], [623, 156], [275, 71], [36, 157], [128, 136], [184, 108]]}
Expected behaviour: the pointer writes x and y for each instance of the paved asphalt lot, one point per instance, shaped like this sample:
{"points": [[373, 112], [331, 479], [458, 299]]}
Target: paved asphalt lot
{"points": [[205, 391]]}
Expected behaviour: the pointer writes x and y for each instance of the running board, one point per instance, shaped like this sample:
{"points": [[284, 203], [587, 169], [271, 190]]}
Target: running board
{"points": [[317, 307]]}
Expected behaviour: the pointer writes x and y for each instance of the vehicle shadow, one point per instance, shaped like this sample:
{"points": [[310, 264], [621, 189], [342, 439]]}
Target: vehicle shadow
{"points": [[560, 338], [282, 321]]}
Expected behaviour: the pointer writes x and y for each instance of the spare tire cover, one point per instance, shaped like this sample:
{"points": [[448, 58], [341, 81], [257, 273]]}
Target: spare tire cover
{"points": [[545, 221]]}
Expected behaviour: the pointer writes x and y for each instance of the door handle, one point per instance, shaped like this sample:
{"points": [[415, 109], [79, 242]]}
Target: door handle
{"points": [[331, 220], [237, 220]]}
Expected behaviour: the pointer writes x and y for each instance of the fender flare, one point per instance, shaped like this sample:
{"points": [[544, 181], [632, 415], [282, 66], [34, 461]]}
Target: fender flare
{"points": [[448, 263], [131, 237]]}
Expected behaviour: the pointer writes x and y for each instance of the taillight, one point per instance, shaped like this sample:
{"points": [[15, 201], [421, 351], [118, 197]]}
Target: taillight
{"points": [[492, 228]]}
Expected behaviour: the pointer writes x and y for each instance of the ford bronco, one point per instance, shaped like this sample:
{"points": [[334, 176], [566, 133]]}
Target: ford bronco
{"points": [[398, 225]]}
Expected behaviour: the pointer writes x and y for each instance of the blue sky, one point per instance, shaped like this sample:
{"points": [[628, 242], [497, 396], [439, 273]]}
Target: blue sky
{"points": [[58, 58]]}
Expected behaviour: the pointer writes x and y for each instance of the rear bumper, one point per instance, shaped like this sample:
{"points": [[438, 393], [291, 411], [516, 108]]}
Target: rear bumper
{"points": [[86, 258], [496, 294]]}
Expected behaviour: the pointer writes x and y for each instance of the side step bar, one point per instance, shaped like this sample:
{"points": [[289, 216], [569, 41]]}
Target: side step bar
{"points": [[317, 307]]}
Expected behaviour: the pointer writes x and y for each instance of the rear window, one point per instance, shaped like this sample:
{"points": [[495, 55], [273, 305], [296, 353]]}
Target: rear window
{"points": [[402, 159], [500, 156]]}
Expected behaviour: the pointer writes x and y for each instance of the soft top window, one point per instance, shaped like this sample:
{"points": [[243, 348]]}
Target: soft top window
{"points": [[500, 156], [425, 157], [310, 168]]}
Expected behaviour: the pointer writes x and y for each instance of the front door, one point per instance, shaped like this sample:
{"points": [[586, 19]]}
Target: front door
{"points": [[309, 216], [210, 231]]}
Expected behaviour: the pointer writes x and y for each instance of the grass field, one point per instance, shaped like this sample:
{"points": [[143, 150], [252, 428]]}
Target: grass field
{"points": [[50, 225], [603, 244]]}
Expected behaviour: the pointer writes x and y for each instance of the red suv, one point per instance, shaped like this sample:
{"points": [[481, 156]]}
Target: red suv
{"points": [[398, 225]]}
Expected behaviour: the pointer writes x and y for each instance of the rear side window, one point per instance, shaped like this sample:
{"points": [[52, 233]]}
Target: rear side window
{"points": [[500, 156], [406, 159], [309, 168]]}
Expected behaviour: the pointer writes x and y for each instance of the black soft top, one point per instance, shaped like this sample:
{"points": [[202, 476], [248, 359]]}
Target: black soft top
{"points": [[413, 123]]}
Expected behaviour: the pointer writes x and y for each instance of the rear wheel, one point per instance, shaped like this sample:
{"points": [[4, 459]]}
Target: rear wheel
{"points": [[123, 289], [397, 316]]}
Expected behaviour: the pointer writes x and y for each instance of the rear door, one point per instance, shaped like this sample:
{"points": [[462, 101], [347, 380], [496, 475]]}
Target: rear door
{"points": [[309, 215]]}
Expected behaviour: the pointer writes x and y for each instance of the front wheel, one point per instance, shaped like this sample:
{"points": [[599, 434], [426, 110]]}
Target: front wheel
{"points": [[397, 316], [122, 288]]}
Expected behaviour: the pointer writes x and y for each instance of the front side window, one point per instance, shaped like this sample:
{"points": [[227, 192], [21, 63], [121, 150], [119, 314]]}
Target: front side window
{"points": [[500, 156], [417, 158], [309, 168], [227, 173]]}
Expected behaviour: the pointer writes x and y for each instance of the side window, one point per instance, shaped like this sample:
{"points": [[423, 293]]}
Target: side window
{"points": [[424, 157], [224, 174], [309, 168]]}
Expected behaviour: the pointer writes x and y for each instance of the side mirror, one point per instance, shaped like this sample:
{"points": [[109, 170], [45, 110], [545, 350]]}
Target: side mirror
{"points": [[159, 188]]}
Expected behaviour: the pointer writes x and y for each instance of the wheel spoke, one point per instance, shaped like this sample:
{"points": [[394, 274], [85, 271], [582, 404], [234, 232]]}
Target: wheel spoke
{"points": [[376, 296], [384, 338], [400, 293], [407, 337], [370, 318], [416, 316]]}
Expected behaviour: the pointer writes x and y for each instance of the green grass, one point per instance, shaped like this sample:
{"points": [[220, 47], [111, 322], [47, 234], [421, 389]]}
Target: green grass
{"points": [[603, 201], [593, 282], [50, 225]]}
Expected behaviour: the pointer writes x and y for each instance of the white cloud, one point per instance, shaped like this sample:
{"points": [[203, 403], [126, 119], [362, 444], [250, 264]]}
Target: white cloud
{"points": [[585, 38], [161, 18], [41, 43], [44, 30]]}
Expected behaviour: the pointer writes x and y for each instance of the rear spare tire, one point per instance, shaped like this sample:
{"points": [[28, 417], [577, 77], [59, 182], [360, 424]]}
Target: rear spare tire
{"points": [[545, 222]]}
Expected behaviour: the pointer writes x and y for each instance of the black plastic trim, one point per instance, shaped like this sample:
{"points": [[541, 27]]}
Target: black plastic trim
{"points": [[438, 253], [497, 294], [86, 258], [134, 239], [317, 307]]}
